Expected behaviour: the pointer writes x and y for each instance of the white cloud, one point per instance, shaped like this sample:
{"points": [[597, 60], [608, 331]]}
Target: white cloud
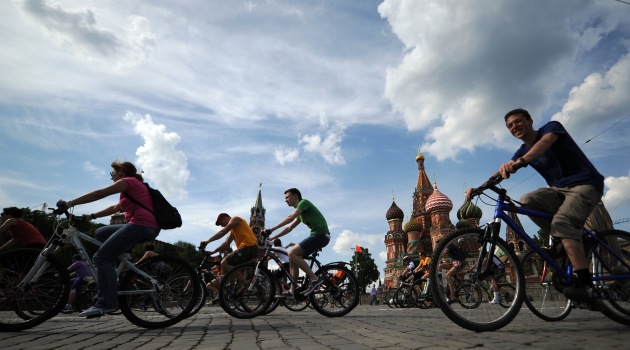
{"points": [[158, 158], [97, 171], [598, 96], [347, 240], [286, 154], [81, 31], [466, 65], [616, 198], [327, 145]]}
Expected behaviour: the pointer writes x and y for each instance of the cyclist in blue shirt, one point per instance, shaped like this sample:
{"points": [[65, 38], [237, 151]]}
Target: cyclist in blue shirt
{"points": [[575, 188]]}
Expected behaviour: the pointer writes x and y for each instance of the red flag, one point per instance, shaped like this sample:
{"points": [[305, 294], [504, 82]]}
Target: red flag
{"points": [[358, 249]]}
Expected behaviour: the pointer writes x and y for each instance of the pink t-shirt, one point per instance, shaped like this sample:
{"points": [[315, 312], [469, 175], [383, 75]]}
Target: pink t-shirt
{"points": [[134, 213]]}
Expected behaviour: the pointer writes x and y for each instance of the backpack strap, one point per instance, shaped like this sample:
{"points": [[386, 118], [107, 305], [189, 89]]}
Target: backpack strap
{"points": [[137, 202]]}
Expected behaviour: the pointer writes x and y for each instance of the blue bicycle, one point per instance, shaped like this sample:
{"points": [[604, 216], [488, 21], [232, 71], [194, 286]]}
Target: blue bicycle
{"points": [[609, 260]]}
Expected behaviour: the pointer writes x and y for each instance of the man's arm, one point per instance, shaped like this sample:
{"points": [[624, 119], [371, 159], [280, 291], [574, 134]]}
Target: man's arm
{"points": [[231, 224], [292, 218], [537, 150]]}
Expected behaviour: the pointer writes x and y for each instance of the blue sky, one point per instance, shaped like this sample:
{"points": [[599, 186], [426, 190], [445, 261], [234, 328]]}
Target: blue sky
{"points": [[211, 98]]}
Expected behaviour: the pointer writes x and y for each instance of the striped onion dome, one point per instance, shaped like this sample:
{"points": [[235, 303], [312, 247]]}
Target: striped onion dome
{"points": [[394, 212], [437, 200], [469, 210]]}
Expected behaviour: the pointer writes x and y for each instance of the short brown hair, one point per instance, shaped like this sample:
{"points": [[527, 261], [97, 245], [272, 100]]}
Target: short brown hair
{"points": [[518, 111]]}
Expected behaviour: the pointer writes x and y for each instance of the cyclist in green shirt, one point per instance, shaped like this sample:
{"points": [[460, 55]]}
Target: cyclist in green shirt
{"points": [[307, 213]]}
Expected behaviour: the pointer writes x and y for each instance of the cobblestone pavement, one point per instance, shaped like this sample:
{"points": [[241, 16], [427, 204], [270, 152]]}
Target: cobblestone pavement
{"points": [[366, 327]]}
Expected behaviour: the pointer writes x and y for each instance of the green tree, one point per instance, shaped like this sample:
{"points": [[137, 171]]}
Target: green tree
{"points": [[365, 269], [541, 238]]}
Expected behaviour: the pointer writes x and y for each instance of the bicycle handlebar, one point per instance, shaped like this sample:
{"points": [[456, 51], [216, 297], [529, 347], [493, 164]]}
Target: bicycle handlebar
{"points": [[76, 219], [492, 182]]}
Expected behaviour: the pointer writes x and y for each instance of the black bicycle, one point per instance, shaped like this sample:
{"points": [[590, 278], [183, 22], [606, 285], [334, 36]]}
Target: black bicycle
{"points": [[249, 289]]}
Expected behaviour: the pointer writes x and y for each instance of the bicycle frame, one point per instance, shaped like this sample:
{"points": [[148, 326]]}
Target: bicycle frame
{"points": [[75, 237], [504, 205]]}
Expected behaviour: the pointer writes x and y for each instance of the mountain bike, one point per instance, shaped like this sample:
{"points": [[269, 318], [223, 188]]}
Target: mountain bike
{"points": [[34, 284], [608, 253], [249, 289]]}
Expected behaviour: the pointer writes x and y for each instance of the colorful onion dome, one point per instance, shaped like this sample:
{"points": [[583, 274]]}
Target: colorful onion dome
{"points": [[469, 210], [411, 226], [394, 212], [437, 200]]}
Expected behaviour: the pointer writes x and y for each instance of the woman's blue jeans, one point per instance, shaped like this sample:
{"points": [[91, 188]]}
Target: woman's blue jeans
{"points": [[117, 240]]}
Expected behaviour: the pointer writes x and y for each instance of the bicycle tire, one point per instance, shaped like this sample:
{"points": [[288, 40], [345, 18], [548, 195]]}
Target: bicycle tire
{"points": [[276, 301], [244, 294], [506, 294], [389, 298], [543, 296], [39, 301], [403, 297], [616, 292], [167, 306], [335, 297], [486, 317], [295, 305], [203, 296], [469, 294]]}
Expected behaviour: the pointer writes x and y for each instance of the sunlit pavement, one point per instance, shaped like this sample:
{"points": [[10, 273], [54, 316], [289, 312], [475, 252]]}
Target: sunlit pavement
{"points": [[366, 327]]}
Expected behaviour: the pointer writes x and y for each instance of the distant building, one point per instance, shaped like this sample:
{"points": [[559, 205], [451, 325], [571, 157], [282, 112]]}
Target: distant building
{"points": [[428, 224]]}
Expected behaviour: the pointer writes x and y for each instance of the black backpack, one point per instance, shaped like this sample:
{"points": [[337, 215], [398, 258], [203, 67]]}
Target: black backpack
{"points": [[165, 214]]}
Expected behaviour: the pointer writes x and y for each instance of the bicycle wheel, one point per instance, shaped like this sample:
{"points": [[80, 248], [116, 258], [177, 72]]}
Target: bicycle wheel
{"points": [[543, 296], [615, 291], [403, 297], [245, 292], [276, 301], [506, 294], [147, 307], [469, 294], [485, 317], [36, 302], [336, 296], [203, 295], [294, 304], [389, 298]]}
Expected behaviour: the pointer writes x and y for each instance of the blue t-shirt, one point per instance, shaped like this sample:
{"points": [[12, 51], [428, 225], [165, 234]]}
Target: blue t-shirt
{"points": [[564, 164]]}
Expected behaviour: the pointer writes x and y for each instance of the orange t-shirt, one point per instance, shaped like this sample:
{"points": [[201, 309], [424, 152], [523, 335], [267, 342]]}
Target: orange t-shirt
{"points": [[243, 234]]}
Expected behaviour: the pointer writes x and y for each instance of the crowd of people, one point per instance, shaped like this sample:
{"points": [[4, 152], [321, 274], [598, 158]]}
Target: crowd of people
{"points": [[575, 187]]}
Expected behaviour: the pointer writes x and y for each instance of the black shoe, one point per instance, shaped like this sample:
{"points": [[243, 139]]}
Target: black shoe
{"points": [[584, 295]]}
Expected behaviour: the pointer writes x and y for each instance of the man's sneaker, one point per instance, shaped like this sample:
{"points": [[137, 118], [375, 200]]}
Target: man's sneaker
{"points": [[494, 301], [312, 286], [95, 312], [68, 308], [288, 295]]}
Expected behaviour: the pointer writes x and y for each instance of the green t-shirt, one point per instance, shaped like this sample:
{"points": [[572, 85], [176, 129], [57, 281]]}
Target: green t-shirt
{"points": [[313, 218]]}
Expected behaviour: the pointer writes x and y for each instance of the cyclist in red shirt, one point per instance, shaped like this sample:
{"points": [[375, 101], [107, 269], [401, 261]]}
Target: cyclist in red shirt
{"points": [[21, 231]]}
